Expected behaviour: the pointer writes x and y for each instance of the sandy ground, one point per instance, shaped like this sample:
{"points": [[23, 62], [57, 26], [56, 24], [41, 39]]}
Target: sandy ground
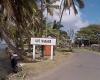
{"points": [[80, 65], [39, 67], [33, 69], [83, 65]]}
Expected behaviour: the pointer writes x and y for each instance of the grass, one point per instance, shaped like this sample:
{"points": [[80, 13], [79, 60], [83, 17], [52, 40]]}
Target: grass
{"points": [[83, 50], [65, 50]]}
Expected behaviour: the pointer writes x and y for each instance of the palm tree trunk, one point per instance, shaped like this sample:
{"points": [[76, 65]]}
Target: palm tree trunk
{"points": [[6, 38], [61, 15], [41, 28]]}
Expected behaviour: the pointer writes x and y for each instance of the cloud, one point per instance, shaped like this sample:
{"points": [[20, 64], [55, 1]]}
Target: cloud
{"points": [[71, 21]]}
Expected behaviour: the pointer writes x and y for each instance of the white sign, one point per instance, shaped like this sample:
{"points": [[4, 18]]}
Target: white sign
{"points": [[43, 41]]}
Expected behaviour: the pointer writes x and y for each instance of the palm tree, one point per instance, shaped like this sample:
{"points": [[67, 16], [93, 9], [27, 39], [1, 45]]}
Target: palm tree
{"points": [[26, 16], [70, 3], [20, 13]]}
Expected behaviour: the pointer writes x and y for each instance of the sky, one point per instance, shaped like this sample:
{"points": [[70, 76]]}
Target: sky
{"points": [[90, 14]]}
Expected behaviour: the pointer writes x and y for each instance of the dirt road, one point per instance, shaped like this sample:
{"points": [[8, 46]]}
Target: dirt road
{"points": [[83, 65]]}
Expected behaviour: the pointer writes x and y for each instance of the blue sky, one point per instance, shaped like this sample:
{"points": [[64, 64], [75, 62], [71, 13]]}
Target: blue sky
{"points": [[91, 12]]}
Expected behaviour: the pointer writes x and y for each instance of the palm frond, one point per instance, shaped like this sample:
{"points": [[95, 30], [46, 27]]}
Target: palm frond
{"points": [[74, 7], [80, 3]]}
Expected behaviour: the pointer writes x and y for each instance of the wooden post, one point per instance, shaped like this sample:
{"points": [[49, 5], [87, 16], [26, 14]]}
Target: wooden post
{"points": [[33, 52], [51, 52]]}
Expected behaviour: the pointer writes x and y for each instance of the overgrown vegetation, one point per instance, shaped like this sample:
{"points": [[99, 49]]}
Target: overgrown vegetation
{"points": [[90, 33], [22, 19]]}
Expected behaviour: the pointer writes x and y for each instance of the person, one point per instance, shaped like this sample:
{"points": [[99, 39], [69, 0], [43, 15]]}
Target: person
{"points": [[14, 62]]}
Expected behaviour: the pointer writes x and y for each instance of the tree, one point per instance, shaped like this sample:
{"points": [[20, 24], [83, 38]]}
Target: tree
{"points": [[89, 33], [19, 12], [66, 4], [22, 19], [71, 34], [27, 21]]}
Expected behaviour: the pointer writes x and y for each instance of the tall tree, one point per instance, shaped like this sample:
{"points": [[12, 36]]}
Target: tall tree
{"points": [[20, 19], [90, 33], [67, 4], [26, 17]]}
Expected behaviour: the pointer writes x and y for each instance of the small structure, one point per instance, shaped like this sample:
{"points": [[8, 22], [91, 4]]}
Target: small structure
{"points": [[43, 41]]}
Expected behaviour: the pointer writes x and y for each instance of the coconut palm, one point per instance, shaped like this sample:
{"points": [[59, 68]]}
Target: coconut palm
{"points": [[20, 13], [25, 16], [67, 4], [19, 18]]}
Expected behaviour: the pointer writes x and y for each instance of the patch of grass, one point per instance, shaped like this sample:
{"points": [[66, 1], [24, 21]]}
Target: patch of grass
{"points": [[65, 50]]}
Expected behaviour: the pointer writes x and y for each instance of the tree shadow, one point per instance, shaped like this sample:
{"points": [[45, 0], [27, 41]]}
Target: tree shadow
{"points": [[37, 59], [5, 67]]}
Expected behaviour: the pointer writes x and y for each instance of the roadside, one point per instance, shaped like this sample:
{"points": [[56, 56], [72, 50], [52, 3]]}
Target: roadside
{"points": [[4, 65], [83, 65], [85, 50], [39, 67]]}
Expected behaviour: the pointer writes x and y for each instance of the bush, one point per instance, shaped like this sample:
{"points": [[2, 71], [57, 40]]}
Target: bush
{"points": [[65, 49], [95, 47]]}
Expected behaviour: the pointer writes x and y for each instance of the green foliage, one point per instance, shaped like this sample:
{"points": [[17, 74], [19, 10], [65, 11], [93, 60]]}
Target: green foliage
{"points": [[54, 30], [66, 4], [57, 25], [89, 33], [29, 21]]}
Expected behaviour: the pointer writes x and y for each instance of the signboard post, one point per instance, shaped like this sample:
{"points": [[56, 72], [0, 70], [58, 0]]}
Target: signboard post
{"points": [[43, 41], [51, 52], [33, 52]]}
